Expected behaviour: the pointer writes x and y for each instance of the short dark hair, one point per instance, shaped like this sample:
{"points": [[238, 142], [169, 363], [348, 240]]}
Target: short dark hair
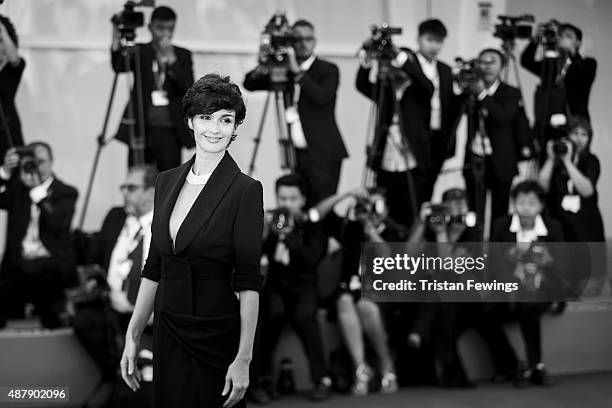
{"points": [[582, 122], [291, 180], [211, 93], [303, 23], [434, 27], [10, 29], [42, 144], [163, 13], [526, 187], [454, 193], [501, 55], [149, 174], [576, 30]]}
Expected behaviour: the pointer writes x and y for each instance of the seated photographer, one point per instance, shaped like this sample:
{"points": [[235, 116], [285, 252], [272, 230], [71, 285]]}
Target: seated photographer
{"points": [[166, 72], [11, 70], [310, 110], [294, 248], [39, 260], [120, 249], [566, 77], [528, 228], [569, 175], [359, 318], [453, 227], [499, 141], [428, 112]]}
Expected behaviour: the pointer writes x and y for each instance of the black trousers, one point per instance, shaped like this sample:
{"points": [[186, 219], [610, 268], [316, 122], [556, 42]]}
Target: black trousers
{"points": [[299, 307], [491, 329], [500, 191], [398, 193], [163, 148], [321, 179], [36, 281]]}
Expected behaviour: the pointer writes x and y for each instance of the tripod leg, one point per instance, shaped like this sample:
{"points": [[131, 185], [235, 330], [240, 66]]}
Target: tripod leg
{"points": [[262, 122], [101, 143], [140, 141], [288, 161]]}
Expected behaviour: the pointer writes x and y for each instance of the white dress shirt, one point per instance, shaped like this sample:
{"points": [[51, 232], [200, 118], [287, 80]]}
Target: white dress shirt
{"points": [[430, 69], [31, 246], [120, 265], [293, 119], [522, 235]]}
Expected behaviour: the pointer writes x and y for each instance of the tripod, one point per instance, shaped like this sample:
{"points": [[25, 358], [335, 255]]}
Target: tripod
{"points": [[283, 130], [511, 65], [130, 52], [386, 83]]}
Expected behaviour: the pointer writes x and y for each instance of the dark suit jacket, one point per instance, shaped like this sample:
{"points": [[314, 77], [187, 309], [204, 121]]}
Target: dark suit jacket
{"points": [[578, 80], [416, 112], [503, 112], [316, 106], [179, 77], [56, 212], [10, 77], [104, 241]]}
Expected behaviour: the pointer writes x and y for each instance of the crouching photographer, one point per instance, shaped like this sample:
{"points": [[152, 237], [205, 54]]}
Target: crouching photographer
{"points": [[366, 220], [39, 260], [452, 227]]}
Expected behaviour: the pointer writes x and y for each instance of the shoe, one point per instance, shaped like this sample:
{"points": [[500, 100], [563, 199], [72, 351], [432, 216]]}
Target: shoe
{"points": [[361, 381], [521, 378], [259, 396], [388, 383], [322, 390], [539, 376]]}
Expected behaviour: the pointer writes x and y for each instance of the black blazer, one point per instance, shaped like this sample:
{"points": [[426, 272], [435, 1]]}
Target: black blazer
{"points": [[104, 241], [10, 77], [56, 212], [503, 112], [316, 106], [179, 77], [416, 112], [578, 80]]}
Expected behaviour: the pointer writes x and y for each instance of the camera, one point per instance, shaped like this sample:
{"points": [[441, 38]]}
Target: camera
{"points": [[467, 72], [550, 34], [513, 27], [280, 220], [128, 20], [379, 45], [27, 160], [559, 147], [438, 216], [275, 39], [368, 206]]}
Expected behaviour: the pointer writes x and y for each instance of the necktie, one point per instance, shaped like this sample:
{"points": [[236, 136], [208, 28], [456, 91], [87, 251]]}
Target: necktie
{"points": [[132, 282]]}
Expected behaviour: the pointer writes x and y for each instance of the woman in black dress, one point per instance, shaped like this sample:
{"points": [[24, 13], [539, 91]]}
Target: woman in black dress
{"points": [[11, 70], [202, 274]]}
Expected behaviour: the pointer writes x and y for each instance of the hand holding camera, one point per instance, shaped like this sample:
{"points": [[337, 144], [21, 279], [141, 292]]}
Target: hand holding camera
{"points": [[561, 149], [11, 160]]}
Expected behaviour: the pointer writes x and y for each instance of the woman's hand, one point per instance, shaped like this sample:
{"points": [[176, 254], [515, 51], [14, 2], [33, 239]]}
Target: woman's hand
{"points": [[236, 379], [129, 372]]}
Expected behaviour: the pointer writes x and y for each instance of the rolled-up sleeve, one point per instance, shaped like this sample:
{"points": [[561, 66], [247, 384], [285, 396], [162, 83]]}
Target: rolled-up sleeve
{"points": [[152, 267], [248, 230]]}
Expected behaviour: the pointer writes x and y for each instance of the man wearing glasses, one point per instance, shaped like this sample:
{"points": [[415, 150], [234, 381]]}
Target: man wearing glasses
{"points": [[39, 260], [310, 113]]}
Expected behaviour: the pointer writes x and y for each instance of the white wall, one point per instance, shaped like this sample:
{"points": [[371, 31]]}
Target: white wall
{"points": [[67, 80]]}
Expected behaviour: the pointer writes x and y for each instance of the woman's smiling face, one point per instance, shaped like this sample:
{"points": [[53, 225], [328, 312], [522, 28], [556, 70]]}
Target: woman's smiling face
{"points": [[213, 131]]}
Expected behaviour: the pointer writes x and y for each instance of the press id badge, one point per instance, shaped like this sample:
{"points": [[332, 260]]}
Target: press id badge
{"points": [[159, 97], [571, 203]]}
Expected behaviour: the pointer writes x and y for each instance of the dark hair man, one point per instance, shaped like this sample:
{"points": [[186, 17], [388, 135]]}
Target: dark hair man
{"points": [[166, 72]]}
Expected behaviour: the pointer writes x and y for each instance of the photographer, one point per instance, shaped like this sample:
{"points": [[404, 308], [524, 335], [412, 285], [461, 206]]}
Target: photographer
{"points": [[294, 249], [367, 221], [569, 175], [39, 260], [166, 72], [499, 140], [566, 77], [427, 112], [11, 70], [528, 229], [119, 249], [453, 228], [310, 99]]}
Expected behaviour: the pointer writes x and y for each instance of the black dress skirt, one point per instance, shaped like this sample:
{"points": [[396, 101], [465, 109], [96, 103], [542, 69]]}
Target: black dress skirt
{"points": [[197, 311]]}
